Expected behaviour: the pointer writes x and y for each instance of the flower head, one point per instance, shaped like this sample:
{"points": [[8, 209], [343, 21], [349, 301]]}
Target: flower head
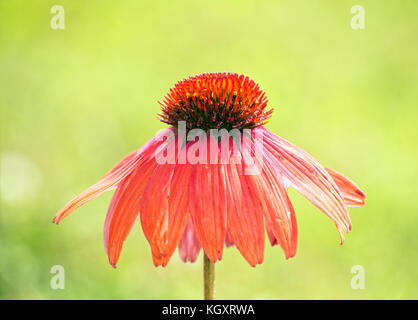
{"points": [[194, 189], [216, 101]]}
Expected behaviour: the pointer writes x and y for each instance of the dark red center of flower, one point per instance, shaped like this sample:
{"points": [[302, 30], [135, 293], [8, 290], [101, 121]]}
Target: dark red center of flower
{"points": [[215, 101]]}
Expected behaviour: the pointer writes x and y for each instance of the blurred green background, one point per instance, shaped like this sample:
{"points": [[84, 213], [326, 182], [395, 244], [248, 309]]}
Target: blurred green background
{"points": [[74, 101]]}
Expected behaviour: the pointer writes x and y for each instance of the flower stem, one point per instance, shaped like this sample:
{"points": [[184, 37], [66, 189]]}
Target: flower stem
{"points": [[209, 278]]}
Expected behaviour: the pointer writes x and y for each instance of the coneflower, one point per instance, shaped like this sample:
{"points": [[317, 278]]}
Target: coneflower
{"points": [[216, 177]]}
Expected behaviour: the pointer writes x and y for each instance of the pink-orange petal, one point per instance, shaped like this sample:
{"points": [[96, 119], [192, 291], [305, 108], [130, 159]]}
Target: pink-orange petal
{"points": [[353, 196], [122, 169], [124, 207], [228, 239], [245, 215], [208, 205], [307, 176], [164, 209], [270, 196], [189, 246]]}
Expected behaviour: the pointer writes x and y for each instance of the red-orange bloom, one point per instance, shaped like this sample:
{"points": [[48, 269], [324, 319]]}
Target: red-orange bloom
{"points": [[215, 203]]}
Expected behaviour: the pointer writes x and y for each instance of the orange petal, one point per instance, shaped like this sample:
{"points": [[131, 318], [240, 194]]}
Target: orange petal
{"points": [[245, 214], [306, 175], [122, 169], [123, 161], [189, 246], [164, 209], [228, 239], [274, 203], [279, 213], [109, 181], [208, 205], [124, 208], [353, 196]]}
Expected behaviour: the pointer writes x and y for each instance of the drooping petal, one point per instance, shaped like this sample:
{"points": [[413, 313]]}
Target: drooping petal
{"points": [[189, 246], [274, 241], [178, 206], [124, 208], [154, 210], [352, 194], [228, 240], [164, 208], [109, 181], [279, 214], [123, 161], [275, 205], [294, 242], [208, 203], [245, 213], [307, 176], [282, 218]]}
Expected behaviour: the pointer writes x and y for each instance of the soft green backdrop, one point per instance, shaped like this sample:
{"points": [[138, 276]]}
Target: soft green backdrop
{"points": [[74, 101]]}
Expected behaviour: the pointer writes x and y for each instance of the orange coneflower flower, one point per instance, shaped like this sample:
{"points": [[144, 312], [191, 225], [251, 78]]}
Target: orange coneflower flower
{"points": [[203, 195]]}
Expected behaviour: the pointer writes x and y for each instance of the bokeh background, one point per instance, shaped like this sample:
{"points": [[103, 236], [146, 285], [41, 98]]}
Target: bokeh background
{"points": [[75, 101]]}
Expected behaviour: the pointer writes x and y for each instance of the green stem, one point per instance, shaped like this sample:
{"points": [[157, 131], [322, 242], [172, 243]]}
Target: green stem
{"points": [[208, 278]]}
